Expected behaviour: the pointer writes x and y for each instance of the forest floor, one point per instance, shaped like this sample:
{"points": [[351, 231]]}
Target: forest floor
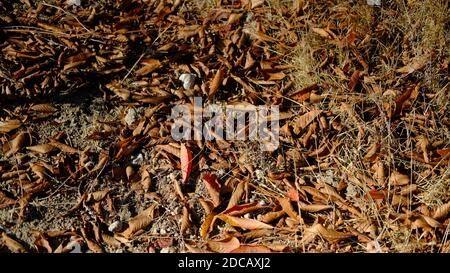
{"points": [[88, 162]]}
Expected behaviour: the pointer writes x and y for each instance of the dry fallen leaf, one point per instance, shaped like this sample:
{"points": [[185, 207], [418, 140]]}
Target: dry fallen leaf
{"points": [[186, 162], [212, 185], [251, 249], [237, 195], [42, 148], [442, 211], [244, 223], [224, 246], [12, 244], [185, 220], [304, 120], [9, 125], [16, 144], [398, 179], [216, 82], [139, 222]]}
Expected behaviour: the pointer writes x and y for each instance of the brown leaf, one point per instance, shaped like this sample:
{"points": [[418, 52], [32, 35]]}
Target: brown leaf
{"points": [[244, 222], [186, 162], [417, 63], [303, 121], [97, 196], [256, 3], [237, 195], [441, 211], [207, 225], [251, 249], [41, 242], [12, 244], [42, 148], [150, 65], [330, 235], [287, 207], [400, 100], [64, 147], [216, 82], [242, 209], [398, 179], [44, 108], [16, 144], [9, 125], [354, 79], [224, 246], [212, 185], [313, 207], [193, 249], [185, 221], [139, 222], [322, 32], [272, 216], [5, 201]]}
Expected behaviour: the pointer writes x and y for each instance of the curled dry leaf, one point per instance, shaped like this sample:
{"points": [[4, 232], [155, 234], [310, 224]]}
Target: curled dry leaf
{"points": [[329, 234], [251, 249], [244, 223], [372, 152], [287, 207], [9, 125], [242, 209], [16, 144], [207, 225], [304, 120], [140, 221], [313, 207], [224, 246], [193, 249], [216, 82], [97, 196], [212, 185], [42, 148], [398, 179], [13, 244], [5, 201], [44, 108], [237, 195], [442, 211], [186, 162], [64, 147], [272, 216], [185, 220], [416, 64]]}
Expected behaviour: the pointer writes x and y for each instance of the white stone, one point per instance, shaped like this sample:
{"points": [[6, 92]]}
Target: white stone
{"points": [[374, 2], [116, 226], [138, 160], [188, 80], [131, 116], [74, 2]]}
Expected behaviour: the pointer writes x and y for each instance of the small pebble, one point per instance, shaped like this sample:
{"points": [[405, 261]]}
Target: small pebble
{"points": [[116, 226], [131, 116], [188, 80]]}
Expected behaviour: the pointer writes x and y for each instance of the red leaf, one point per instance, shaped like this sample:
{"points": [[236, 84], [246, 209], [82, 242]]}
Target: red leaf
{"points": [[213, 187], [293, 195], [376, 194], [186, 162]]}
